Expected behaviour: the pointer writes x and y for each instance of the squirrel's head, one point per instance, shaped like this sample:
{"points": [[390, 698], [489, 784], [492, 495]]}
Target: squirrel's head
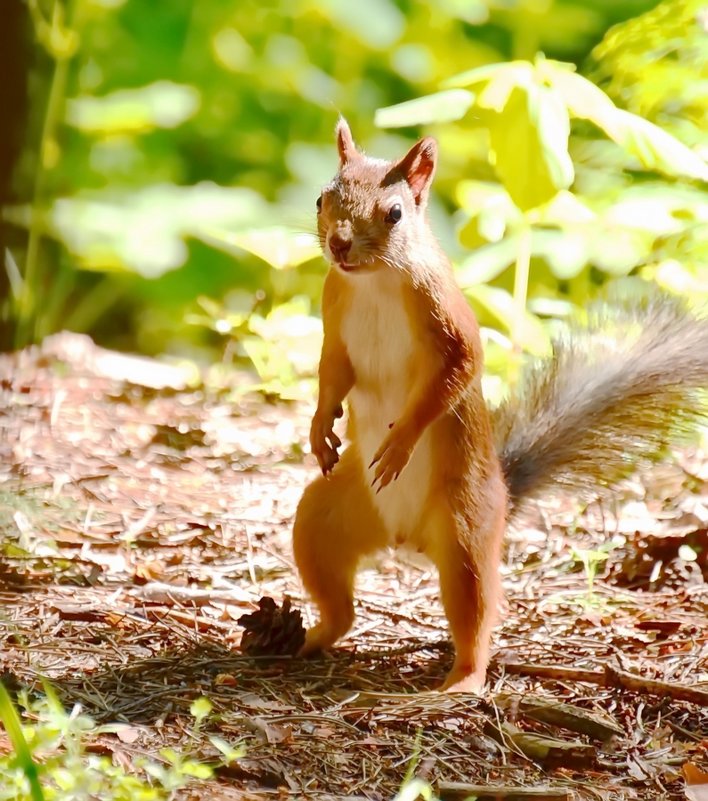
{"points": [[373, 211]]}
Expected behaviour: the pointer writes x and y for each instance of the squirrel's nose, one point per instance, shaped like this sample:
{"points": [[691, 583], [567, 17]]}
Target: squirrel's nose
{"points": [[339, 247]]}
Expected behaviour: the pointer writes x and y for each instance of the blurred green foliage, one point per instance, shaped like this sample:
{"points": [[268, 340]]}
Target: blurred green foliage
{"points": [[178, 148], [51, 759]]}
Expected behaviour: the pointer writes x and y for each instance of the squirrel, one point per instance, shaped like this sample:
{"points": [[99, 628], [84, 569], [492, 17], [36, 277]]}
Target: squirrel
{"points": [[429, 465]]}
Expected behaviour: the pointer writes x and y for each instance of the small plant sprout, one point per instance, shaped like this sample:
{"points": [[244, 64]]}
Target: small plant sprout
{"points": [[200, 709], [591, 559], [414, 789]]}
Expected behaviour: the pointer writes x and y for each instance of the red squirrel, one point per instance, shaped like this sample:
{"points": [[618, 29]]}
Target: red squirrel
{"points": [[428, 465]]}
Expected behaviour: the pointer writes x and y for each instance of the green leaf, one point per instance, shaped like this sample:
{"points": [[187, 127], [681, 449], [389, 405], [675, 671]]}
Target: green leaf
{"points": [[171, 756], [529, 146], [64, 779], [565, 209], [655, 148], [446, 106], [629, 248], [200, 708], [478, 74], [197, 770], [487, 263], [229, 753], [553, 125], [277, 246], [377, 23], [501, 304], [582, 98], [495, 94], [13, 727], [144, 228], [566, 251], [677, 277], [159, 105], [413, 789], [157, 772]]}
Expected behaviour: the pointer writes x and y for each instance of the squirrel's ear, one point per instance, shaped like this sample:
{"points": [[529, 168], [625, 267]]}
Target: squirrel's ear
{"points": [[418, 167], [345, 142]]}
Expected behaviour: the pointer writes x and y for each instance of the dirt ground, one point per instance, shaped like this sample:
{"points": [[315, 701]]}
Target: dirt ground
{"points": [[140, 520]]}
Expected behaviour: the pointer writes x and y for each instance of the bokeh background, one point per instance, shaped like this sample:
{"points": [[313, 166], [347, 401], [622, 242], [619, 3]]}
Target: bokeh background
{"points": [[165, 157]]}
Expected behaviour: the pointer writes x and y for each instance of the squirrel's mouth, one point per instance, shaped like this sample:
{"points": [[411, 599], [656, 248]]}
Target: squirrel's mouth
{"points": [[346, 267]]}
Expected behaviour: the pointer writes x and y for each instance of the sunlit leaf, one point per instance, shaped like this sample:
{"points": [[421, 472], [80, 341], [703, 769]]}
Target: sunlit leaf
{"points": [[198, 770], [655, 148], [13, 727], [414, 789], [477, 74], [564, 209], [172, 756], [629, 248], [486, 263], [279, 247], [583, 99], [287, 344], [553, 126], [501, 304], [228, 751], [528, 142], [378, 23], [566, 251], [159, 105], [551, 307], [200, 708], [491, 212], [472, 237], [445, 106], [495, 94], [654, 65], [144, 230], [675, 276]]}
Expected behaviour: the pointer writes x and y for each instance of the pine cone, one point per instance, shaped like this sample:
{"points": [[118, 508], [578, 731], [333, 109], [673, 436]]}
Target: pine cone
{"points": [[272, 630]]}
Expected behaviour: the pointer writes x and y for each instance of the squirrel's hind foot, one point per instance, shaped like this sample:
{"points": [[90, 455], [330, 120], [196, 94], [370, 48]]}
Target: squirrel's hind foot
{"points": [[318, 638], [462, 679]]}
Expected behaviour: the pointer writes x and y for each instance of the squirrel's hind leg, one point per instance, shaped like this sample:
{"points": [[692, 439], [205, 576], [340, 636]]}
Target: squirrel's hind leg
{"points": [[467, 555], [335, 525]]}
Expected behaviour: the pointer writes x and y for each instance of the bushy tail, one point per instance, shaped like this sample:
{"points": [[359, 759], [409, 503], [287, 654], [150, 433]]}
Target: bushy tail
{"points": [[618, 388]]}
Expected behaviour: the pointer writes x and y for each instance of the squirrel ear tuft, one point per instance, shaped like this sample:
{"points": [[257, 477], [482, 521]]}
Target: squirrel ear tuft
{"points": [[418, 167], [345, 142]]}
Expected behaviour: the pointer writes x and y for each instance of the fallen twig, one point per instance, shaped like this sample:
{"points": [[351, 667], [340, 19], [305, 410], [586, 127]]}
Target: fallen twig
{"points": [[450, 791], [612, 677], [629, 681], [162, 593]]}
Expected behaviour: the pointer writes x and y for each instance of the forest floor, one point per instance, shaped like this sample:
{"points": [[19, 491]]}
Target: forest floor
{"points": [[140, 521]]}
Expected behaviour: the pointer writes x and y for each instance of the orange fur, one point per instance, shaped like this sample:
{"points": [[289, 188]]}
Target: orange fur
{"points": [[401, 342]]}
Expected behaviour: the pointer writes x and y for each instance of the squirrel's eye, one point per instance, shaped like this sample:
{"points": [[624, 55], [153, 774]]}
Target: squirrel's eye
{"points": [[395, 213], [319, 203]]}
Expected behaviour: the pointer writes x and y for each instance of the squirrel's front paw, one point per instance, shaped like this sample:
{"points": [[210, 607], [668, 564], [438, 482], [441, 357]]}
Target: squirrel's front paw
{"points": [[392, 456], [323, 441]]}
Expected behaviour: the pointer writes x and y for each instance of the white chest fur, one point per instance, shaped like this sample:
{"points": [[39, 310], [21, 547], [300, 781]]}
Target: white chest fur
{"points": [[382, 347], [378, 336]]}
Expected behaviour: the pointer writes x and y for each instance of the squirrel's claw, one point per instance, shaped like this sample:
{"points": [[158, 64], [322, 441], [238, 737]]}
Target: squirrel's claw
{"points": [[327, 459], [390, 459], [324, 443]]}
